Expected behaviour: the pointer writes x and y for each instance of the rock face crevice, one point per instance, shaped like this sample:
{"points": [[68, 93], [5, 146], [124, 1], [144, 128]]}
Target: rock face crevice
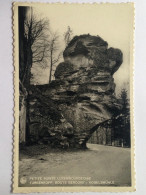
{"points": [[82, 92]]}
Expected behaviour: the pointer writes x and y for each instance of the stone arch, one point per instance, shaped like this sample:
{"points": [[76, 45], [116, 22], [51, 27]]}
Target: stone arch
{"points": [[95, 128]]}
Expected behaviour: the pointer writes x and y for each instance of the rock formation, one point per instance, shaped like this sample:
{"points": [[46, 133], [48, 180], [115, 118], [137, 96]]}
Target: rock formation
{"points": [[80, 97]]}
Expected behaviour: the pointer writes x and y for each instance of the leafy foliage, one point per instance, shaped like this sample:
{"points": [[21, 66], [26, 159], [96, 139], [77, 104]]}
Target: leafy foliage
{"points": [[124, 101]]}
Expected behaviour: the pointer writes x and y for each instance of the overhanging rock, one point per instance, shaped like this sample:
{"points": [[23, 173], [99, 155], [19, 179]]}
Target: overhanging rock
{"points": [[83, 92]]}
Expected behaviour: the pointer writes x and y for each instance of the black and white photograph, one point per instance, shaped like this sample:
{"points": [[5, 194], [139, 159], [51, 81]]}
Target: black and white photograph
{"points": [[73, 97]]}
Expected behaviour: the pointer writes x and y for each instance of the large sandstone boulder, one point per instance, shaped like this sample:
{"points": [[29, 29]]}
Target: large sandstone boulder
{"points": [[83, 90]]}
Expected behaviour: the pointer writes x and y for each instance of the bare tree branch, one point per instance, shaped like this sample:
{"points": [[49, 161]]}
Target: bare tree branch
{"points": [[53, 48], [58, 58]]}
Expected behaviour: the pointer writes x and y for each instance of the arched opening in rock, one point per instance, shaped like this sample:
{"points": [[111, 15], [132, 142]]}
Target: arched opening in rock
{"points": [[107, 124], [112, 132], [91, 131]]}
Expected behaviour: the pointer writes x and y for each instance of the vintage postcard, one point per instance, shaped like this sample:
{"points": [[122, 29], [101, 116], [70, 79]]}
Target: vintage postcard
{"points": [[73, 84]]}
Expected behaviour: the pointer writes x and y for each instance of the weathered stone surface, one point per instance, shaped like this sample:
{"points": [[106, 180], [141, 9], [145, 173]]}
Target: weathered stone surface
{"points": [[83, 91]]}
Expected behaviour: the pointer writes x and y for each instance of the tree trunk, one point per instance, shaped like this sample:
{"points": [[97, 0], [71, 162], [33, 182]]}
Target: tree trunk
{"points": [[25, 64], [51, 64]]}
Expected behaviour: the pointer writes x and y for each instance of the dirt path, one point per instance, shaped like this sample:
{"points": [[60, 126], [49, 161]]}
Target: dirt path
{"points": [[99, 162]]}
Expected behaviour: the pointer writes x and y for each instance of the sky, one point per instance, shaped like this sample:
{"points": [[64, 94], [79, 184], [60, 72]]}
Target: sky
{"points": [[112, 22]]}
